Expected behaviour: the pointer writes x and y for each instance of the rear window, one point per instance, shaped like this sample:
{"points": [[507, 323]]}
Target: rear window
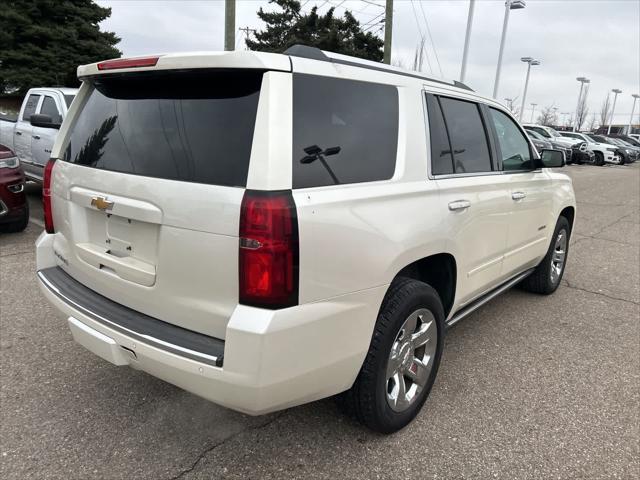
{"points": [[344, 131], [189, 126], [68, 98]]}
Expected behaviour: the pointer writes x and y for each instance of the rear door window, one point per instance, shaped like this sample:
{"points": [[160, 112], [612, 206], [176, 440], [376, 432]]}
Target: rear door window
{"points": [[344, 131], [192, 126], [467, 135], [30, 107]]}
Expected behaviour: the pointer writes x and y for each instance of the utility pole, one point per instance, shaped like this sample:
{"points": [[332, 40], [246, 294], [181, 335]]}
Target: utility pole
{"points": [[247, 32], [388, 31], [465, 52], [229, 25]]}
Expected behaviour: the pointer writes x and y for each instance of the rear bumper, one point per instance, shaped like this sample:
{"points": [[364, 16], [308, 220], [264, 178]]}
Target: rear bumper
{"points": [[273, 359]]}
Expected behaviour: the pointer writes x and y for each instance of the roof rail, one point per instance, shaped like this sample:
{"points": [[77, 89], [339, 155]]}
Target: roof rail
{"points": [[314, 53]]}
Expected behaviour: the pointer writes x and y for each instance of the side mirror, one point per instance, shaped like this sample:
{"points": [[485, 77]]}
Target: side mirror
{"points": [[44, 121], [552, 158]]}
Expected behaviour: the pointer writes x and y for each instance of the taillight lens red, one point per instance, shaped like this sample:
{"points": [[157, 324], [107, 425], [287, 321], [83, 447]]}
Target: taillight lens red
{"points": [[46, 196], [268, 250], [128, 63]]}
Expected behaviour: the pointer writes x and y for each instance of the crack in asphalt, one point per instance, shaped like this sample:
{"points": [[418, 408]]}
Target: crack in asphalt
{"points": [[611, 297], [15, 253], [211, 448], [595, 235]]}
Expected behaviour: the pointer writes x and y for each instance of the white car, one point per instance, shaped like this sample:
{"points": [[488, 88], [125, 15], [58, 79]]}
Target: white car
{"points": [[265, 230], [605, 152], [32, 133]]}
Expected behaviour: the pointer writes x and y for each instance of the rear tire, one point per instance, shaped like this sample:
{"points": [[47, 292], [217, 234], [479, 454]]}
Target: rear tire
{"points": [[398, 371], [17, 225], [547, 276]]}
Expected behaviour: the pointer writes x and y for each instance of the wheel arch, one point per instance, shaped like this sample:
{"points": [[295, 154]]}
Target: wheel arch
{"points": [[439, 271], [570, 214]]}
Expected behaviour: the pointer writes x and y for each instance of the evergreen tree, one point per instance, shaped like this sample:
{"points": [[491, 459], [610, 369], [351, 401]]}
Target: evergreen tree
{"points": [[289, 26], [42, 42]]}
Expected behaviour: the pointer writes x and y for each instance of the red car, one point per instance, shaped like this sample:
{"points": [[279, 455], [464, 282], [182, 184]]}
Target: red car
{"points": [[14, 209]]}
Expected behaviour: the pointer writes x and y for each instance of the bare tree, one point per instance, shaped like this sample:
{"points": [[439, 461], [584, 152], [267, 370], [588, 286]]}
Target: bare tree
{"points": [[593, 123], [420, 55], [583, 110], [605, 111], [548, 116]]}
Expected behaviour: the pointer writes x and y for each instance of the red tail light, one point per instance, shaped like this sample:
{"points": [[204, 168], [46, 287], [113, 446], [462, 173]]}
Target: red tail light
{"points": [[46, 196], [268, 250], [128, 63]]}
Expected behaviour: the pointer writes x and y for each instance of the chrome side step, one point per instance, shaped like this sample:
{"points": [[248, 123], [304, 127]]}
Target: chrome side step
{"points": [[487, 297]]}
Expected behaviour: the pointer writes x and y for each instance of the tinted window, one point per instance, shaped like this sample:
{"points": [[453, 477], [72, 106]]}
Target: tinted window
{"points": [[68, 99], [195, 127], [30, 107], [441, 158], [514, 147], [467, 135], [541, 131], [359, 118], [49, 108]]}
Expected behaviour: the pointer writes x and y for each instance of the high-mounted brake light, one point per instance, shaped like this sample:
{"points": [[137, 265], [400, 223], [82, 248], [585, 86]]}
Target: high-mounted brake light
{"points": [[268, 260], [128, 63], [46, 196]]}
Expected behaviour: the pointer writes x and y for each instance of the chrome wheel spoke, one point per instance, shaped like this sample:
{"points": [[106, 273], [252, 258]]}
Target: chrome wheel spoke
{"points": [[423, 335], [401, 401], [395, 361]]}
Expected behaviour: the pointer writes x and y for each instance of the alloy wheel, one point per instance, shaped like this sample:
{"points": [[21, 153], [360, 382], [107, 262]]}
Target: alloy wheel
{"points": [[411, 359]]}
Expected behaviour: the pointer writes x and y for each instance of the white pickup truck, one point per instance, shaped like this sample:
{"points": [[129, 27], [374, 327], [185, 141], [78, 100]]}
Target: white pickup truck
{"points": [[31, 134]]}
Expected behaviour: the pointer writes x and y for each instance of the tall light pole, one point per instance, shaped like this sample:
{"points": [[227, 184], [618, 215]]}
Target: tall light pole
{"points": [[388, 32], [616, 91], [508, 6], [533, 109], [633, 109], [230, 25], [582, 81], [530, 61], [465, 51]]}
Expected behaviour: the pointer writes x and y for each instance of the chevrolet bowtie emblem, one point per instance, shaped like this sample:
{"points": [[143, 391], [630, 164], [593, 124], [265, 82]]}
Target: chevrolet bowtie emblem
{"points": [[101, 203]]}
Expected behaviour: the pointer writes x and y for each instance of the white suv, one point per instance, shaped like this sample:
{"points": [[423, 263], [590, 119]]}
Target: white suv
{"points": [[265, 230]]}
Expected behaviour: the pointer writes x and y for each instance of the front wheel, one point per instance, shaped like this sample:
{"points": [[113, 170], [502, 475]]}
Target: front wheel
{"points": [[403, 358], [599, 159], [546, 278]]}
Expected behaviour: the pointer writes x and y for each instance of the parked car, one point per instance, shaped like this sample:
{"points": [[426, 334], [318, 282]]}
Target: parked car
{"points": [[627, 138], [31, 134], [604, 152], [293, 233], [625, 150], [635, 136], [14, 209], [549, 133], [550, 144]]}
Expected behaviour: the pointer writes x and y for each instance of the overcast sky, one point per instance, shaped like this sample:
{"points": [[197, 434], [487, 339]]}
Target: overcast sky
{"points": [[598, 39]]}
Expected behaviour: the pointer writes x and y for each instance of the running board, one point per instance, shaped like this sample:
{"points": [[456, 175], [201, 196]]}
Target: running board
{"points": [[487, 297]]}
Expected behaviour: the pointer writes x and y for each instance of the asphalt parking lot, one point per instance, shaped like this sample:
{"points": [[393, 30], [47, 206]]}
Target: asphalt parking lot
{"points": [[529, 387]]}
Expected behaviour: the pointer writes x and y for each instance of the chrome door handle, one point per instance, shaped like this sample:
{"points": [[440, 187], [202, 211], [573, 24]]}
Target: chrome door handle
{"points": [[518, 195], [37, 137], [459, 205]]}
